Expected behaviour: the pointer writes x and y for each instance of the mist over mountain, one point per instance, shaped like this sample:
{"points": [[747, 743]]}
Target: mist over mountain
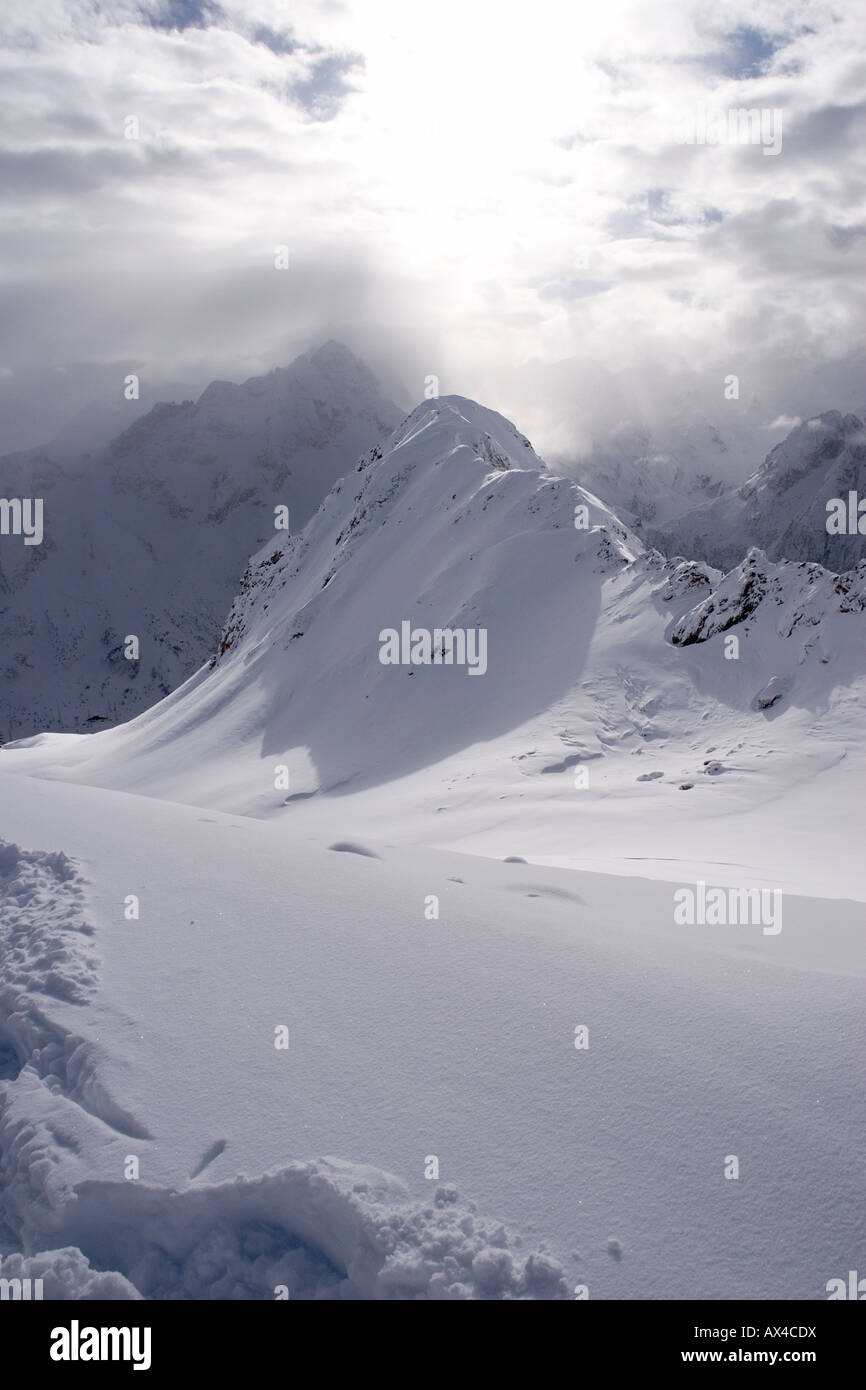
{"points": [[652, 473], [786, 507], [148, 537]]}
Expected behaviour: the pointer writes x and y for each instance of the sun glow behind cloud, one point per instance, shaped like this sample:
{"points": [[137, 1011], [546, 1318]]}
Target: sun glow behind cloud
{"points": [[472, 189]]}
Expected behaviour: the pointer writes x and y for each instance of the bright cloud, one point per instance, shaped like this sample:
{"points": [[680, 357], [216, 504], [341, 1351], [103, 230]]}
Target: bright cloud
{"points": [[498, 194]]}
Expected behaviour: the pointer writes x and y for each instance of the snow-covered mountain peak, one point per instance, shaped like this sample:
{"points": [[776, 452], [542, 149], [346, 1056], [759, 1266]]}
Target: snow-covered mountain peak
{"points": [[320, 391], [462, 624], [782, 508], [451, 539], [455, 422], [454, 485], [811, 447], [150, 537], [335, 356]]}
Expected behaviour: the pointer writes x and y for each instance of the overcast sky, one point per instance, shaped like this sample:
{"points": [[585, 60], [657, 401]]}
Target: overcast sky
{"points": [[500, 194]]}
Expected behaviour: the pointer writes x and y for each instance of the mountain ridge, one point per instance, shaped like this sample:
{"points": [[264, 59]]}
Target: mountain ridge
{"points": [[610, 672]]}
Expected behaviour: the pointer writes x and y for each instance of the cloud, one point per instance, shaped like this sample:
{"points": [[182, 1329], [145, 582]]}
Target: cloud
{"points": [[180, 14], [506, 205]]}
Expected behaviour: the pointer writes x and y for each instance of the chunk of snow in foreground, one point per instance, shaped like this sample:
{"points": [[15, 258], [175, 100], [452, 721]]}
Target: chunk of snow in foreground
{"points": [[66, 1274]]}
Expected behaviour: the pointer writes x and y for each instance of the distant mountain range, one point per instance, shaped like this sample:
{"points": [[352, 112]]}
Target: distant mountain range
{"points": [[149, 537], [783, 507], [452, 552]]}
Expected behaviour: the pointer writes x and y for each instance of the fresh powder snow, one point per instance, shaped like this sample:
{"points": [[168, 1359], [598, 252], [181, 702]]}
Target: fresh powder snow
{"points": [[360, 978]]}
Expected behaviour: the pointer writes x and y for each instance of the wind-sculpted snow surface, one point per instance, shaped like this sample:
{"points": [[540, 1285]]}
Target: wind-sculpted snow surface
{"points": [[414, 1039]]}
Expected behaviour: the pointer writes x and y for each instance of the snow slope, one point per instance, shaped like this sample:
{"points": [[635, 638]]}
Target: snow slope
{"points": [[586, 667], [411, 1038], [149, 538], [611, 753]]}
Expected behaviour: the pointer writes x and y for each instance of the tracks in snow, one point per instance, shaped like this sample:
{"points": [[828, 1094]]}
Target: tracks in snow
{"points": [[325, 1229]]}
